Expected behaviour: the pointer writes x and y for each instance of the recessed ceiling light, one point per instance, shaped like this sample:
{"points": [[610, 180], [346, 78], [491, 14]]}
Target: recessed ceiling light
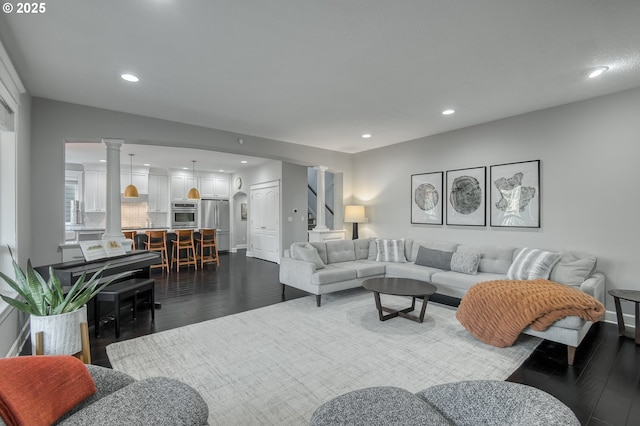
{"points": [[244, 161], [366, 135], [185, 168], [221, 170], [130, 77], [147, 164], [103, 161], [597, 72], [448, 111]]}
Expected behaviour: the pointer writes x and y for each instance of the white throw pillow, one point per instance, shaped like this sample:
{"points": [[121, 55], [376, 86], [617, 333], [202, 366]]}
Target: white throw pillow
{"points": [[308, 253], [390, 251], [465, 262], [531, 264]]}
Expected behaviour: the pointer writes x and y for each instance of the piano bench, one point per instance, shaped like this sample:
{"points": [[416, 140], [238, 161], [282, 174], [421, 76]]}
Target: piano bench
{"points": [[121, 291]]}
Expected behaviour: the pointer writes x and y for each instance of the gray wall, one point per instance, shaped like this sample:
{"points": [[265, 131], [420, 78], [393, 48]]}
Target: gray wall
{"points": [[589, 154], [53, 122]]}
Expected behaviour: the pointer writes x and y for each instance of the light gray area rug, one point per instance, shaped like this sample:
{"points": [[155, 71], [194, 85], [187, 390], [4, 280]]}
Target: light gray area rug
{"points": [[276, 365]]}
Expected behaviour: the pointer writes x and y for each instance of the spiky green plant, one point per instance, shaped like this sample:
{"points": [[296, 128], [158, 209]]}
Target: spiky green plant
{"points": [[39, 297]]}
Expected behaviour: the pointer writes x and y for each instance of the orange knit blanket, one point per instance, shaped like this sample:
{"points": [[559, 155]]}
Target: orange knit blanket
{"points": [[496, 312]]}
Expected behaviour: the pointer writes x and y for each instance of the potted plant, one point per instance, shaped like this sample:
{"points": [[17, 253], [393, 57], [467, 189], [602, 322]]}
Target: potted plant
{"points": [[56, 313]]}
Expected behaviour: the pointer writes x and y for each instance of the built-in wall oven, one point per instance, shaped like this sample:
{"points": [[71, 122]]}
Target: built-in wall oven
{"points": [[184, 214]]}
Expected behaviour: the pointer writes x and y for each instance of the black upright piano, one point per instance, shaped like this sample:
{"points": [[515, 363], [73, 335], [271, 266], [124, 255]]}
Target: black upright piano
{"points": [[136, 264]]}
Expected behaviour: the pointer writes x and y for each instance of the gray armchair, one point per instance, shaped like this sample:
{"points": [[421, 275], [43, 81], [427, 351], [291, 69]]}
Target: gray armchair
{"points": [[120, 400]]}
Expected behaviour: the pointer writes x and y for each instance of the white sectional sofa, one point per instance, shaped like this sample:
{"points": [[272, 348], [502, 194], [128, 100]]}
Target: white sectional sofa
{"points": [[344, 264]]}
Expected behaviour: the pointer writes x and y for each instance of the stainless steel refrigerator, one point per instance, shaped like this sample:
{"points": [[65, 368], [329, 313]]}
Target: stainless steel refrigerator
{"points": [[215, 214]]}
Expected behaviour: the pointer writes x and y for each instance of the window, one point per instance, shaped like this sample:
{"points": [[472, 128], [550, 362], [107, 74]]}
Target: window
{"points": [[8, 222]]}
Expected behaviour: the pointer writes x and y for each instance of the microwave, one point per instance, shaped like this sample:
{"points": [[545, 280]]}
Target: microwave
{"points": [[184, 214]]}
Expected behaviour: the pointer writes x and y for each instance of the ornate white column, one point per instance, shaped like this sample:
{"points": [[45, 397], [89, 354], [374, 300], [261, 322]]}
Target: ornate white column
{"points": [[113, 225], [320, 205]]}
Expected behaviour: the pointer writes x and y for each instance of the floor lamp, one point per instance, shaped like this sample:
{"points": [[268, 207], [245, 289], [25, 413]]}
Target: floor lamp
{"points": [[354, 214]]}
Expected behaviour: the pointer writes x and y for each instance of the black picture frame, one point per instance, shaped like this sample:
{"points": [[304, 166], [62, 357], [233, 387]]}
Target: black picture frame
{"points": [[427, 198], [466, 196], [515, 194]]}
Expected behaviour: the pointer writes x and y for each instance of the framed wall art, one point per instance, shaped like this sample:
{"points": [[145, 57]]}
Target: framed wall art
{"points": [[243, 211], [427, 198], [515, 194], [466, 199]]}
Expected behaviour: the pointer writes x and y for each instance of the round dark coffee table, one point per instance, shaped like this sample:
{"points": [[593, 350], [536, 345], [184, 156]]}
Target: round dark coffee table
{"points": [[400, 287]]}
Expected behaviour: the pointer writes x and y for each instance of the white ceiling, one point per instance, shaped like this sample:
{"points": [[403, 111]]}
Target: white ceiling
{"points": [[162, 157], [324, 72]]}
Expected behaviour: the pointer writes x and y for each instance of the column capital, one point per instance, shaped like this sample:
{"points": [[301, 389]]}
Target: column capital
{"points": [[113, 143], [321, 168]]}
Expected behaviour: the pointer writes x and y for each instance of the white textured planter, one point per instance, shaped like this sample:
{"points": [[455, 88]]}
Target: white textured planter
{"points": [[61, 332]]}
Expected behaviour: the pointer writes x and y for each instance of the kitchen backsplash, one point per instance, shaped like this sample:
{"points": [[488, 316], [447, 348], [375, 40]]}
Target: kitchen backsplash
{"points": [[134, 215]]}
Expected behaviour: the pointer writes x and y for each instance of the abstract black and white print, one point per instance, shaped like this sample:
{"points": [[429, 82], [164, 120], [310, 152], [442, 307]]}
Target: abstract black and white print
{"points": [[515, 194], [466, 197], [426, 198]]}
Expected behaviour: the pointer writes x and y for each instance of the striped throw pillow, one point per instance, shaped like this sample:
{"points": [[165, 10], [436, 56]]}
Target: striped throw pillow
{"points": [[531, 264], [390, 251]]}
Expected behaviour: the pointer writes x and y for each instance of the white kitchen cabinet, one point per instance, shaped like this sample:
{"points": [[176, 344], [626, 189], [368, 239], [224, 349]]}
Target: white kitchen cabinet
{"points": [[222, 188], [95, 191], [180, 186], [158, 193], [140, 180], [207, 187], [214, 188]]}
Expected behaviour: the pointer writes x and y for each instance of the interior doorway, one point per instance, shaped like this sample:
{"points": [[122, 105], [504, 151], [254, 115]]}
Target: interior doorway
{"points": [[264, 226], [240, 220]]}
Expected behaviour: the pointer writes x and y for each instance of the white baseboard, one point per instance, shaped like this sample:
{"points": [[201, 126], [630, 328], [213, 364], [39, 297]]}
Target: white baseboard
{"points": [[629, 320]]}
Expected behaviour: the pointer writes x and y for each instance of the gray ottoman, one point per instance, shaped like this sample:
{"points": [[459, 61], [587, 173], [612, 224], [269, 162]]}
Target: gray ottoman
{"points": [[380, 406], [487, 402], [464, 403]]}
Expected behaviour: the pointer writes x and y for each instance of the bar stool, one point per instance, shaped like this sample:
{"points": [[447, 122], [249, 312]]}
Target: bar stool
{"points": [[207, 240], [184, 241], [131, 235], [157, 241]]}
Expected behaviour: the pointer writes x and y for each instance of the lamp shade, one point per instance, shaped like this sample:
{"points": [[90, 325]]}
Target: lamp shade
{"points": [[131, 191], [354, 214], [193, 194]]}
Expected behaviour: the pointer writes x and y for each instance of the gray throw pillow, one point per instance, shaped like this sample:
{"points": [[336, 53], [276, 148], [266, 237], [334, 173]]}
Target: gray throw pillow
{"points": [[531, 264], [308, 253], [434, 258], [573, 268], [465, 262]]}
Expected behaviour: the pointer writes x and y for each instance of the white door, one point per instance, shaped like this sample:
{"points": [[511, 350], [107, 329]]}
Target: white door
{"points": [[264, 210]]}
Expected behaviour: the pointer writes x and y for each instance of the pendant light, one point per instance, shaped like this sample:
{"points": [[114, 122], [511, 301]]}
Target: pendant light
{"points": [[131, 191], [194, 194]]}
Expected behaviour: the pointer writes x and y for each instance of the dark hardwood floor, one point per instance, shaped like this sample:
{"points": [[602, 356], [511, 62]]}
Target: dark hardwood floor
{"points": [[602, 387]]}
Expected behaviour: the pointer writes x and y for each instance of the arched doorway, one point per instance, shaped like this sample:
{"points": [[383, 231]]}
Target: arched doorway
{"points": [[239, 221]]}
